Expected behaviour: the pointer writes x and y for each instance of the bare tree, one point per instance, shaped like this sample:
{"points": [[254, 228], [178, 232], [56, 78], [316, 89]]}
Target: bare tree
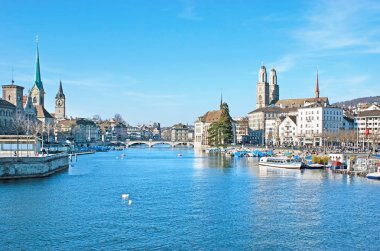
{"points": [[36, 130], [18, 128], [97, 118], [49, 128], [118, 118]]}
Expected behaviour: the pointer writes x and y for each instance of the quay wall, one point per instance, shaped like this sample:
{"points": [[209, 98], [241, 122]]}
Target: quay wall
{"points": [[32, 167]]}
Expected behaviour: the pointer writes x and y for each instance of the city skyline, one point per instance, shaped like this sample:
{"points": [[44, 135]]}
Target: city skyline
{"points": [[149, 62]]}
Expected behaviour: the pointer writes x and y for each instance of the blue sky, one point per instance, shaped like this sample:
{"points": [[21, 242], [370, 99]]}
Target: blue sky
{"points": [[168, 60]]}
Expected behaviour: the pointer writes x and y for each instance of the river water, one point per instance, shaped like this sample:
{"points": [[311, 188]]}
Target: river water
{"points": [[189, 202]]}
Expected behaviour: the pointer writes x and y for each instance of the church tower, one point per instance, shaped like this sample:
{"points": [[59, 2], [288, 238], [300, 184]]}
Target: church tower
{"points": [[274, 92], [37, 92], [60, 103], [262, 89]]}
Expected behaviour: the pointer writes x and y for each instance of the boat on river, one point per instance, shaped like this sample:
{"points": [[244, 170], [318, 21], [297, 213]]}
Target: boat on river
{"points": [[375, 176], [281, 162], [315, 166]]}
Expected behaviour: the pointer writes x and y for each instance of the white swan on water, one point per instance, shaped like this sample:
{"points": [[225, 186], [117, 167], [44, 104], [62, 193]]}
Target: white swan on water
{"points": [[125, 196], [129, 202]]}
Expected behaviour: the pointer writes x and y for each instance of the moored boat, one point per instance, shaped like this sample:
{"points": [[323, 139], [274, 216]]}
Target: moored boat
{"points": [[315, 166], [375, 176], [280, 162]]}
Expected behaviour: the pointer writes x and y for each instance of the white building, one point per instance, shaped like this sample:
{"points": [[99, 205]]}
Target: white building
{"points": [[288, 131], [368, 126], [315, 121]]}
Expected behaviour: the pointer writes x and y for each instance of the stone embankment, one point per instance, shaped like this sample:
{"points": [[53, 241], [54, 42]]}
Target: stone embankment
{"points": [[32, 167]]}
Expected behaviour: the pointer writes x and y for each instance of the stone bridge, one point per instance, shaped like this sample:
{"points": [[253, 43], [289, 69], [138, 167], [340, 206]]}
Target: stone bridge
{"points": [[151, 143]]}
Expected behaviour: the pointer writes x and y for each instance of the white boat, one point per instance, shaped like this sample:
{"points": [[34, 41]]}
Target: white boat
{"points": [[375, 176], [315, 166], [281, 162]]}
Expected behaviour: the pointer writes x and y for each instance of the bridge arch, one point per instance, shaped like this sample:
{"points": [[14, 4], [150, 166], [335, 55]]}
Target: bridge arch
{"points": [[137, 143], [160, 143]]}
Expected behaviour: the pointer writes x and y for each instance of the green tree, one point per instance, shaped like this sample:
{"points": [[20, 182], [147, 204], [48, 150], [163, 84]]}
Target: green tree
{"points": [[214, 134], [220, 133]]}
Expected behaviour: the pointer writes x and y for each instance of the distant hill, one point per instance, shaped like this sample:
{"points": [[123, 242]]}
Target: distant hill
{"points": [[356, 101]]}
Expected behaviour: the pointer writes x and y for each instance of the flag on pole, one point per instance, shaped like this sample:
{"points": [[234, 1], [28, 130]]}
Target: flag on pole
{"points": [[366, 132]]}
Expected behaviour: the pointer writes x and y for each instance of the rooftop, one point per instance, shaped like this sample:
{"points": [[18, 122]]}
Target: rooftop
{"points": [[5, 103], [211, 116], [42, 113]]}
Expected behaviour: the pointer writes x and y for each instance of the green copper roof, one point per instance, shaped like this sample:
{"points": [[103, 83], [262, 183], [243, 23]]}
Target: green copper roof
{"points": [[38, 81]]}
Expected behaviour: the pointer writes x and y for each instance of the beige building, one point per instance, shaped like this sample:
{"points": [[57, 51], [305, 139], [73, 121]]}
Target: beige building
{"points": [[242, 129], [60, 103], [256, 118], [14, 95], [267, 93], [179, 132], [202, 125], [78, 131]]}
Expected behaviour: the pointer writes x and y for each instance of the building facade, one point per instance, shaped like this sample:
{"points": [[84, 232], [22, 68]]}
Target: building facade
{"points": [[7, 113], [242, 130], [368, 128], [267, 93], [180, 132], [288, 131], [14, 95], [79, 131], [315, 121]]}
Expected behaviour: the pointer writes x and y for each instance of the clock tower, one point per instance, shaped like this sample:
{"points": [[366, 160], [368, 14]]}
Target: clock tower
{"points": [[60, 103]]}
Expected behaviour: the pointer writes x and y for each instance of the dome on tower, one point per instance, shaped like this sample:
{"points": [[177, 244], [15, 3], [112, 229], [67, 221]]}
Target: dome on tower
{"points": [[273, 77], [263, 74]]}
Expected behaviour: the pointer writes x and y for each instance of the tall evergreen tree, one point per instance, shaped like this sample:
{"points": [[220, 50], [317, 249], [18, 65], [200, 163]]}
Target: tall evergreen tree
{"points": [[220, 133]]}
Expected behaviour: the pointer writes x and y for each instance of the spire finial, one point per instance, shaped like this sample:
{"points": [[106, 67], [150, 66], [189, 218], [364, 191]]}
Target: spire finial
{"points": [[221, 98], [13, 81], [317, 86], [38, 81]]}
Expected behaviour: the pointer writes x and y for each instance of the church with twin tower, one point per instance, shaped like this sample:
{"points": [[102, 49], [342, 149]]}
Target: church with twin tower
{"points": [[267, 93]]}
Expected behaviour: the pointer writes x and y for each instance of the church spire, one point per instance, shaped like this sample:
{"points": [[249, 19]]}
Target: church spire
{"points": [[317, 87], [38, 81], [60, 93], [221, 99]]}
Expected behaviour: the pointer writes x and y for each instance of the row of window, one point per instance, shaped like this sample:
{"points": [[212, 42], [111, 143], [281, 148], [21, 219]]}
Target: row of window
{"points": [[326, 112], [6, 113]]}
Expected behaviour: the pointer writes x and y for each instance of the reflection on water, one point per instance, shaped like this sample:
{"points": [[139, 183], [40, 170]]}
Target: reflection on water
{"points": [[188, 200]]}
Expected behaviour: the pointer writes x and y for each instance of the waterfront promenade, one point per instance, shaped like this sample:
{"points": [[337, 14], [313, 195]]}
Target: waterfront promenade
{"points": [[190, 202]]}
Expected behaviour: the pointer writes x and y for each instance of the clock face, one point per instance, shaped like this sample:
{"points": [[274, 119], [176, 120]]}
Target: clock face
{"points": [[59, 102]]}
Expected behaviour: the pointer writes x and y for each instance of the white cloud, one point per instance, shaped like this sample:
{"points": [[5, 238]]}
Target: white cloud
{"points": [[341, 24], [188, 11], [285, 63]]}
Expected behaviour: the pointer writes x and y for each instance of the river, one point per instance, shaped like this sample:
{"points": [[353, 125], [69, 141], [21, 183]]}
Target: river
{"points": [[187, 202]]}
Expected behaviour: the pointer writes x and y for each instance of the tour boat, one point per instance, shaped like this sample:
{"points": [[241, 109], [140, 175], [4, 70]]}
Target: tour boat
{"points": [[280, 162]]}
